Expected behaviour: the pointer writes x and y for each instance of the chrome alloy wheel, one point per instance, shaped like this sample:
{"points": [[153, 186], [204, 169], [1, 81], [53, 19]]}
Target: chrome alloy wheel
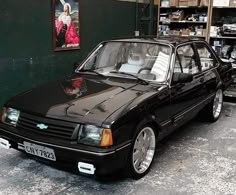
{"points": [[144, 149], [218, 103]]}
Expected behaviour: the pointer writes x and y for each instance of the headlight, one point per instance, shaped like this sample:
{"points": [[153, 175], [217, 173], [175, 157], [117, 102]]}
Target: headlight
{"points": [[10, 116], [96, 136]]}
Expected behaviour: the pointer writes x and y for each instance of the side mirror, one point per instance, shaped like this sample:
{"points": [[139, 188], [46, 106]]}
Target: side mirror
{"points": [[182, 77]]}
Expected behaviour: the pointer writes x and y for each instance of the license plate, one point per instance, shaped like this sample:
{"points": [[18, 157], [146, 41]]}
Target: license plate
{"points": [[40, 151]]}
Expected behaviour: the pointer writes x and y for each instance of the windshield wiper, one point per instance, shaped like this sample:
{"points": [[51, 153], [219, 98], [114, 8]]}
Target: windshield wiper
{"points": [[141, 81], [93, 71]]}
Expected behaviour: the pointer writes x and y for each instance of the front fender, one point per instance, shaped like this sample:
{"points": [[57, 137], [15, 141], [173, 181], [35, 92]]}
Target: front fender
{"points": [[126, 127]]}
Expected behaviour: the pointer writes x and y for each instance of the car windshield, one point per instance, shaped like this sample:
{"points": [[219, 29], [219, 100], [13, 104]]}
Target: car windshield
{"points": [[148, 61]]}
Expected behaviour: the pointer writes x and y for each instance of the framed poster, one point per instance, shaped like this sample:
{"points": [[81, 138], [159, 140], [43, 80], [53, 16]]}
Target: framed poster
{"points": [[66, 24]]}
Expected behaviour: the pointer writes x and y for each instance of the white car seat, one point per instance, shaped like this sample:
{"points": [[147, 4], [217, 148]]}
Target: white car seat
{"points": [[134, 64]]}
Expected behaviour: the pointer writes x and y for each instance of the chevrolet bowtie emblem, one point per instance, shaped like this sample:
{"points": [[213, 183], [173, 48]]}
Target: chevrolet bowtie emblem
{"points": [[42, 126]]}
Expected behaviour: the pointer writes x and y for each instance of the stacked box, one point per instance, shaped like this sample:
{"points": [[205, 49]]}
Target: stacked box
{"points": [[193, 2], [174, 3], [221, 3], [232, 3], [204, 3], [183, 2], [165, 3]]}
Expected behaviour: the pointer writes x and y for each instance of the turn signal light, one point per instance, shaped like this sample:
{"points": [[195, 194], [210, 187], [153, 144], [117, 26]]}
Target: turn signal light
{"points": [[3, 114], [106, 138]]}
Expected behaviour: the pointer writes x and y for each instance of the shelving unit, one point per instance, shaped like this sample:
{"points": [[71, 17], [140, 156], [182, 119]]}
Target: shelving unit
{"points": [[213, 13], [186, 21], [222, 37], [215, 16], [219, 17], [184, 26], [194, 36], [182, 7]]}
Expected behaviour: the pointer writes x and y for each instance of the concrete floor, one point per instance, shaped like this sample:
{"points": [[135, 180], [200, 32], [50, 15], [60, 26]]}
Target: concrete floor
{"points": [[198, 159]]}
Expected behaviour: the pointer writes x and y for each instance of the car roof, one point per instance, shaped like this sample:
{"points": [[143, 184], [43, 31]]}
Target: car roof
{"points": [[172, 40]]}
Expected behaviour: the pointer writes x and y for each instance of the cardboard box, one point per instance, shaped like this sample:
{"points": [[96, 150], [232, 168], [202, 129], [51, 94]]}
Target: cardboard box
{"points": [[186, 32], [221, 3], [193, 3], [183, 2], [204, 2], [174, 3], [232, 3], [199, 32], [165, 3]]}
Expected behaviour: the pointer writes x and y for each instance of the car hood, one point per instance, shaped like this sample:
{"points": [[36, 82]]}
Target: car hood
{"points": [[85, 99]]}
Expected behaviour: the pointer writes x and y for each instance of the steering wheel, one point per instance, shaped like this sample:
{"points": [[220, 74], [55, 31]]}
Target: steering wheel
{"points": [[144, 69], [118, 65]]}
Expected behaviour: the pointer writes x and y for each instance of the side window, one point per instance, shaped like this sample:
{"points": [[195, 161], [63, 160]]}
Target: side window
{"points": [[178, 67], [186, 60], [206, 56]]}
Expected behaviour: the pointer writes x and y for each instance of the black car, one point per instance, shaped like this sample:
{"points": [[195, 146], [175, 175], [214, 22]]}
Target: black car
{"points": [[125, 96]]}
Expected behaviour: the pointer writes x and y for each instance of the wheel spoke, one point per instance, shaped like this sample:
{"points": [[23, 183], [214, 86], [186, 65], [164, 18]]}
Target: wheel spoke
{"points": [[137, 163], [137, 155], [147, 143], [143, 137], [138, 145], [144, 165]]}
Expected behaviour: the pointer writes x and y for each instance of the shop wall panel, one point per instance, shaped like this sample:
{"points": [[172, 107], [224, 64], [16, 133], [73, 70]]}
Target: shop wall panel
{"points": [[27, 58]]}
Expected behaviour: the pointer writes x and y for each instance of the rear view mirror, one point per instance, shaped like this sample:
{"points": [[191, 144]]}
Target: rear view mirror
{"points": [[182, 77]]}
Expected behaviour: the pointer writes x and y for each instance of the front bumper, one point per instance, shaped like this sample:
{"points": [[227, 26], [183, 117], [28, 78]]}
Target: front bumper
{"points": [[104, 162]]}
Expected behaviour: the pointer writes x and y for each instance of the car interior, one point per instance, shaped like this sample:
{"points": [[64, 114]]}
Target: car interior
{"points": [[150, 65], [185, 61]]}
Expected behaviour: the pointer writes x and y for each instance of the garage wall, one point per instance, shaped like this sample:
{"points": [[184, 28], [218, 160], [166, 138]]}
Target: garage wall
{"points": [[26, 55]]}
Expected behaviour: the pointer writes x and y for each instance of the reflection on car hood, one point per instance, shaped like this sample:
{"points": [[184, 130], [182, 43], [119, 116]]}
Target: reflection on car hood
{"points": [[80, 99]]}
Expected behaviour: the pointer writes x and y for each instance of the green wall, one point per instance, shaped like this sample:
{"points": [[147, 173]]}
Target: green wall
{"points": [[27, 58]]}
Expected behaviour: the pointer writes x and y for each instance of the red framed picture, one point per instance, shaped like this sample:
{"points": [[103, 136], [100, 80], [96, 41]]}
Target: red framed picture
{"points": [[66, 24]]}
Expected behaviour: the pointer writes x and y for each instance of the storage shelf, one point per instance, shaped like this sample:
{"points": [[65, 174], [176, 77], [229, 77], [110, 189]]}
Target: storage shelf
{"points": [[183, 7], [188, 11], [223, 37], [230, 92], [185, 21], [223, 7], [191, 36]]}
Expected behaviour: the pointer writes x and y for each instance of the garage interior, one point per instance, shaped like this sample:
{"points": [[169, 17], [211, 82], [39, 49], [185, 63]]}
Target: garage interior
{"points": [[199, 158]]}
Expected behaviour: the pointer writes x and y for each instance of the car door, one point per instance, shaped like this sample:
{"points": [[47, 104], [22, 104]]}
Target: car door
{"points": [[208, 63], [186, 98]]}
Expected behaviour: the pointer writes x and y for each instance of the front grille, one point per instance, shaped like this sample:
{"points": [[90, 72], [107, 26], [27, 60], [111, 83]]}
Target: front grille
{"points": [[27, 124]]}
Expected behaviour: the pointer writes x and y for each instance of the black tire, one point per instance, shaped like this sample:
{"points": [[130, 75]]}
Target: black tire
{"points": [[213, 110], [146, 152]]}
